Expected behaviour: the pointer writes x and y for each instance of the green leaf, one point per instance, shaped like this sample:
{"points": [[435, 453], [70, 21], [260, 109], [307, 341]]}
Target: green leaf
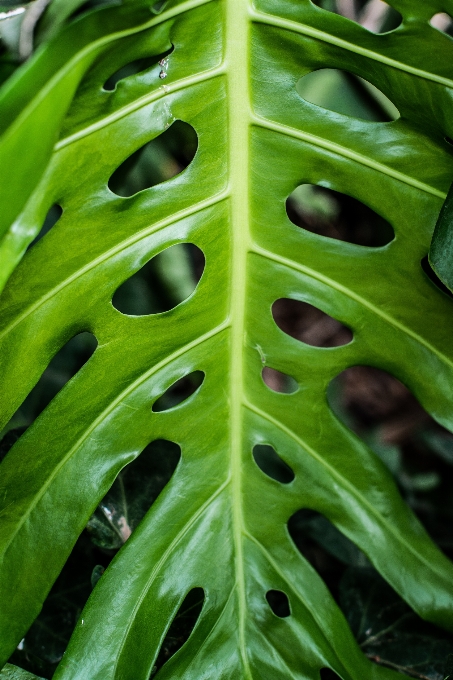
{"points": [[441, 250], [10, 672], [220, 523]]}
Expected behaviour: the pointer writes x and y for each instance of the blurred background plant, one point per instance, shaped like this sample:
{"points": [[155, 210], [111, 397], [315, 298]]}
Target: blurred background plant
{"points": [[374, 404]]}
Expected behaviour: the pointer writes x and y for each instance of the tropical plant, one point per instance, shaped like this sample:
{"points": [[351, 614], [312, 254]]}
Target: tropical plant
{"points": [[251, 456]]}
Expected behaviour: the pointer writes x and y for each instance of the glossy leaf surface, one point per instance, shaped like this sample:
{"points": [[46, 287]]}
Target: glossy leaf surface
{"points": [[220, 523]]}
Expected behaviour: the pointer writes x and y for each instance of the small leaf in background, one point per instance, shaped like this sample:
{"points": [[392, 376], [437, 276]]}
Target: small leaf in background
{"points": [[10, 672]]}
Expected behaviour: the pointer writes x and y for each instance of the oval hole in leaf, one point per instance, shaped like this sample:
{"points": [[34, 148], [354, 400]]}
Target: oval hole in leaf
{"points": [[278, 381], [376, 16], [159, 6], [309, 324], [52, 217], [180, 628], [442, 22], [345, 93], [64, 366], [279, 603], [132, 494], [431, 274], [181, 390], [133, 68], [268, 460], [335, 215], [157, 161], [328, 674], [162, 283]]}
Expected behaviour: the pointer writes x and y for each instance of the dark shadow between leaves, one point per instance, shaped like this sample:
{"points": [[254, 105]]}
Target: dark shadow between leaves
{"points": [[278, 381], [279, 603], [432, 276], [181, 628], [157, 161], [308, 324], [134, 68], [269, 462], [181, 390], [328, 674], [387, 630], [52, 217], [335, 215], [165, 281], [65, 365], [327, 550]]}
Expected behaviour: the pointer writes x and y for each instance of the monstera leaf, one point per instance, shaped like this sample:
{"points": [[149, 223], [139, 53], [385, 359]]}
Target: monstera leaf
{"points": [[230, 70]]}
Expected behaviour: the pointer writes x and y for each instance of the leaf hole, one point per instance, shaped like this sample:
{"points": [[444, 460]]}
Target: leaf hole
{"points": [[133, 492], [338, 216], [165, 281], [181, 627], [376, 16], [52, 217], [271, 464], [328, 674], [66, 363], [442, 22], [278, 381], [432, 276], [134, 68], [157, 161], [279, 603], [181, 390], [347, 94], [159, 6], [308, 324]]}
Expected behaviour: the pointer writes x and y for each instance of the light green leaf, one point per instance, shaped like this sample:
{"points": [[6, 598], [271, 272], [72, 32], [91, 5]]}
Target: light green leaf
{"points": [[220, 523], [10, 672]]}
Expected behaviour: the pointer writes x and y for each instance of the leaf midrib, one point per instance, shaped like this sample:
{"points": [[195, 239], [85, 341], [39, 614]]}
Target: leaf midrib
{"points": [[237, 36]]}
